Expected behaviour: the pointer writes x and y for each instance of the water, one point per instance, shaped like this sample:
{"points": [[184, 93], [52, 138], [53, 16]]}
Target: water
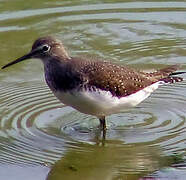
{"points": [[41, 137]]}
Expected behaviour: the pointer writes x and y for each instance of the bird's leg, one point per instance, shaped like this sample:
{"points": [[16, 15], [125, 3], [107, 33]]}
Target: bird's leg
{"points": [[103, 125]]}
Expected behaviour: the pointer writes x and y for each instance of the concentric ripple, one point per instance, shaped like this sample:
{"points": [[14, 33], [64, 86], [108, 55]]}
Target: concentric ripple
{"points": [[36, 124], [21, 103]]}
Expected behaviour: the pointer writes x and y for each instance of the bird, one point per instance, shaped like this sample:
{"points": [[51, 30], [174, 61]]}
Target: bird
{"points": [[93, 86]]}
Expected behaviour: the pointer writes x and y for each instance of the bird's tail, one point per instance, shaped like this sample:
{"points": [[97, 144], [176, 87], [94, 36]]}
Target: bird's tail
{"points": [[167, 74], [171, 79]]}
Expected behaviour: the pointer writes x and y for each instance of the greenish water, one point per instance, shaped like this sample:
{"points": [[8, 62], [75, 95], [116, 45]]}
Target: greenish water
{"points": [[42, 138]]}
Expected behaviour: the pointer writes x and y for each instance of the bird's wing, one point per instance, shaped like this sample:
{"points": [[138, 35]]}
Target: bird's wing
{"points": [[119, 80]]}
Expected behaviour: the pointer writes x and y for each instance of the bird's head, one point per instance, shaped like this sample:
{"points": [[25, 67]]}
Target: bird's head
{"points": [[44, 48]]}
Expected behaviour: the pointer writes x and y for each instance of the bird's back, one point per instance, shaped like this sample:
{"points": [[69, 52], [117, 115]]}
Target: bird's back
{"points": [[121, 81]]}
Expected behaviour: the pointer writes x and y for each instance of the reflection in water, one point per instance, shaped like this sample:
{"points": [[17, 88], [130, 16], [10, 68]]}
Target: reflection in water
{"points": [[112, 161]]}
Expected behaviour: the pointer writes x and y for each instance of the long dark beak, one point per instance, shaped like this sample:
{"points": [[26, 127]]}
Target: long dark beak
{"points": [[27, 56]]}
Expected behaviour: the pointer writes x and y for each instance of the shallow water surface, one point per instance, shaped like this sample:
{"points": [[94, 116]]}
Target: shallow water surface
{"points": [[43, 138]]}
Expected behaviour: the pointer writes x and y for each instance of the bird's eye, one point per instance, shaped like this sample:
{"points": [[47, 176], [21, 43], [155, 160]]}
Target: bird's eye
{"points": [[46, 48]]}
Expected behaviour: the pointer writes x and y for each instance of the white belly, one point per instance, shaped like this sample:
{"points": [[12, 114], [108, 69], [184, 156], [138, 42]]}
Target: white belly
{"points": [[101, 103]]}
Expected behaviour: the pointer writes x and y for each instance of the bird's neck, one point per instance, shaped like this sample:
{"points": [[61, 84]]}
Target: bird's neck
{"points": [[60, 75]]}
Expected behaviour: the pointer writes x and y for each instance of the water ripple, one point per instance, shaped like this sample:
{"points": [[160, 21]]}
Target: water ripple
{"points": [[35, 123]]}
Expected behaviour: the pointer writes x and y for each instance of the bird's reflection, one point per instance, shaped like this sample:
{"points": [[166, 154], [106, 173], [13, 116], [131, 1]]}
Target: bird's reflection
{"points": [[114, 160]]}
